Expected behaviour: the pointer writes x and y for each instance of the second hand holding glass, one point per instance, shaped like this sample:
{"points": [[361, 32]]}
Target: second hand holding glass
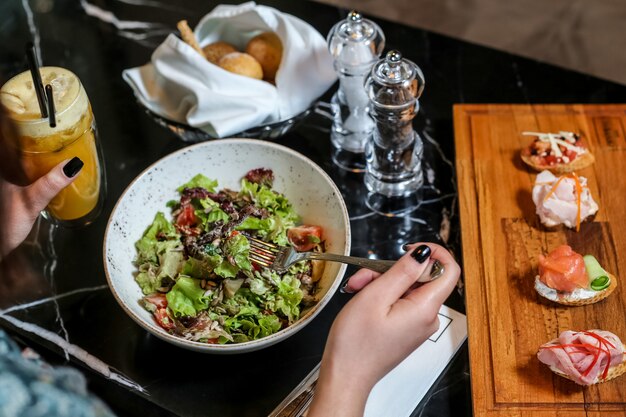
{"points": [[54, 125]]}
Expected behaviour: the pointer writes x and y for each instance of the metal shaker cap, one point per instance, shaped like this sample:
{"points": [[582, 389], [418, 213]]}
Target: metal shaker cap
{"points": [[395, 81], [355, 41]]}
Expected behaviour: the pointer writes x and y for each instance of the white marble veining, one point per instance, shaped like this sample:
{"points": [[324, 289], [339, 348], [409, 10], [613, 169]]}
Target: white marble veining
{"points": [[444, 227], [34, 31], [440, 151], [157, 4], [140, 32], [63, 342], [108, 17], [77, 352], [53, 298], [323, 109], [419, 221], [362, 216], [49, 270]]}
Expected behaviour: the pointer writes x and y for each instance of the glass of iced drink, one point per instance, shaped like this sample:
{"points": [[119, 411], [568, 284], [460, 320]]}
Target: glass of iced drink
{"points": [[42, 146]]}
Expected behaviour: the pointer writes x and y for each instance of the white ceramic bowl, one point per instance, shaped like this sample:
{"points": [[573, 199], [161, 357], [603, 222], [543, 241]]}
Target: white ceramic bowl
{"points": [[313, 194]]}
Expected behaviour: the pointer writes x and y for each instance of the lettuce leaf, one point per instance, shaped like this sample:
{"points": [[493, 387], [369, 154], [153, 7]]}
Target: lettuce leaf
{"points": [[265, 326], [257, 284], [200, 269], [226, 269], [170, 261], [271, 228], [159, 254], [199, 181], [147, 281], [249, 322], [283, 215], [287, 298], [149, 247], [237, 249], [231, 286], [186, 297], [210, 213]]}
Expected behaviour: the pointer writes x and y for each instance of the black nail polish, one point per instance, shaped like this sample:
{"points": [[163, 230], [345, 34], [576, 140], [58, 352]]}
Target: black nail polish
{"points": [[405, 247], [344, 287], [421, 253], [73, 167]]}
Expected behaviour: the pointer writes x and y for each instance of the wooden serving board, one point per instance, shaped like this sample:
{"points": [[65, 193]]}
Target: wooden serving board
{"points": [[502, 239]]}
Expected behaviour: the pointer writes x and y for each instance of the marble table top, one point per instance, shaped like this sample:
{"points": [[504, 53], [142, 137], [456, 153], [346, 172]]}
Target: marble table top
{"points": [[53, 292]]}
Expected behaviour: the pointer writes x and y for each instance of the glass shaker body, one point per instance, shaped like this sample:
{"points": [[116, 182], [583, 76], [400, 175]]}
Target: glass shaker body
{"points": [[394, 152], [355, 44]]}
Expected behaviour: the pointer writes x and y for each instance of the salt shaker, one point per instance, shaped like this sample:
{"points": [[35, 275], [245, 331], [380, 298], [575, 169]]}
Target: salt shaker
{"points": [[355, 44], [394, 152]]}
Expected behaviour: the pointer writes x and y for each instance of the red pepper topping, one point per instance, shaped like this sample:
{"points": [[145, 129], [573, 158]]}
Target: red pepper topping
{"points": [[603, 347]]}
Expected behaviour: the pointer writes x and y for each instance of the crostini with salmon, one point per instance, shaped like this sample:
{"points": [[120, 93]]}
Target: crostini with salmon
{"points": [[566, 277]]}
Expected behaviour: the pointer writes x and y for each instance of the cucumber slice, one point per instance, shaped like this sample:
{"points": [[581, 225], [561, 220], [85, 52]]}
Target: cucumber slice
{"points": [[599, 279]]}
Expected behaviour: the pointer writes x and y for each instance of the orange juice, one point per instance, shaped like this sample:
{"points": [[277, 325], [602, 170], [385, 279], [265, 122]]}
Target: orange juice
{"points": [[42, 147]]}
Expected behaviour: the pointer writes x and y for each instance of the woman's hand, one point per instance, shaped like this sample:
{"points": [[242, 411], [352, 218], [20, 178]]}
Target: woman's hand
{"points": [[20, 206], [389, 317]]}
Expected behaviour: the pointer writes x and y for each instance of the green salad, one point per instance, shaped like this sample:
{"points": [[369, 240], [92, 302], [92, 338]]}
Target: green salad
{"points": [[195, 270]]}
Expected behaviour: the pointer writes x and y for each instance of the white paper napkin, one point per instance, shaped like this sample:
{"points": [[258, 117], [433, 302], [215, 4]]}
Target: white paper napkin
{"points": [[402, 389], [181, 85]]}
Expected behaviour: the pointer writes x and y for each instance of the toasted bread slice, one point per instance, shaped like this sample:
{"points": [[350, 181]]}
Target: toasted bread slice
{"points": [[614, 372], [580, 162], [574, 300], [187, 34]]}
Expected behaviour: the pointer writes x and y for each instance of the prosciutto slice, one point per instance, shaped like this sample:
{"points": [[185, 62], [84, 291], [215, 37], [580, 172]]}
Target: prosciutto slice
{"points": [[585, 357], [563, 206]]}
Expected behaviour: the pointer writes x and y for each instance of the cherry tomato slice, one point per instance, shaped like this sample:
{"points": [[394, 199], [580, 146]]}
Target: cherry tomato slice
{"points": [[158, 300], [163, 319], [305, 237], [187, 217]]}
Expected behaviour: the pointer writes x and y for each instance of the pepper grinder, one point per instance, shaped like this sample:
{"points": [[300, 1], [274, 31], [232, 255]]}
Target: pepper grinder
{"points": [[394, 152], [355, 44]]}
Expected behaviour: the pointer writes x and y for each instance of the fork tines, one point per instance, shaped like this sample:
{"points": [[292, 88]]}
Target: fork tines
{"points": [[262, 253]]}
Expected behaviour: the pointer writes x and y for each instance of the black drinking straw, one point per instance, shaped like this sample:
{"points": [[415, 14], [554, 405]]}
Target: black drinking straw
{"points": [[37, 83], [52, 116]]}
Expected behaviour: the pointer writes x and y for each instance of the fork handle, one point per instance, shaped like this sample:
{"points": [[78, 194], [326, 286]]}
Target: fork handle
{"points": [[377, 265]]}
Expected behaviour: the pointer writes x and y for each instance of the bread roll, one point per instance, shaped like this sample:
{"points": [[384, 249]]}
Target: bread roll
{"points": [[242, 64], [216, 50], [268, 50]]}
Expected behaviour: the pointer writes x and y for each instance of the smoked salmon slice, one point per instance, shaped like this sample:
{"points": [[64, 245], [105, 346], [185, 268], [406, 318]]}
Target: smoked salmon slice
{"points": [[563, 270]]}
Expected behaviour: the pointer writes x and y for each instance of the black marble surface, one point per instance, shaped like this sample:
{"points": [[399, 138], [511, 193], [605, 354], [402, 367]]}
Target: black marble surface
{"points": [[63, 268]]}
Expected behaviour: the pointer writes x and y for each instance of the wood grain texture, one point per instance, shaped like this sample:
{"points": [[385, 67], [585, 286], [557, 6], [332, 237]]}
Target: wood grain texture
{"points": [[502, 239]]}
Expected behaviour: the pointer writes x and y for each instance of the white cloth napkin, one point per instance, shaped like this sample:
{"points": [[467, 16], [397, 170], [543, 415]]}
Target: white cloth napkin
{"points": [[180, 85]]}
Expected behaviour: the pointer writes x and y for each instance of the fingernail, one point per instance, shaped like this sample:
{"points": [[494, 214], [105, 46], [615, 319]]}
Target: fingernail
{"points": [[73, 167], [344, 287], [405, 247], [421, 253]]}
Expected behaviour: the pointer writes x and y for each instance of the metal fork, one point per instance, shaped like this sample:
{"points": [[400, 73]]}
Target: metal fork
{"points": [[280, 258]]}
